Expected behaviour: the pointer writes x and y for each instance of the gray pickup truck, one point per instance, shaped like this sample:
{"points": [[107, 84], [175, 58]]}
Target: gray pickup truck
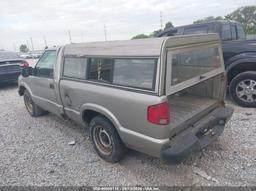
{"points": [[161, 96]]}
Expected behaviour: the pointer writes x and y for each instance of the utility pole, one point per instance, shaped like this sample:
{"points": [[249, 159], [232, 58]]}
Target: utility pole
{"points": [[105, 32], [161, 19], [27, 44], [32, 45], [69, 34], [45, 43]]}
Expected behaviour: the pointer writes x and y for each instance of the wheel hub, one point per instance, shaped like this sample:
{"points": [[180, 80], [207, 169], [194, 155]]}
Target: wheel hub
{"points": [[28, 103], [103, 140], [246, 90]]}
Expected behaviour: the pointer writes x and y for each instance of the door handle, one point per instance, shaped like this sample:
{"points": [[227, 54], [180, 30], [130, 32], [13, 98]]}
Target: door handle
{"points": [[52, 86]]}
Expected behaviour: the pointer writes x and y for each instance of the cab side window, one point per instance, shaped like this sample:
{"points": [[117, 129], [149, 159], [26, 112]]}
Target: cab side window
{"points": [[75, 68], [225, 32], [196, 30], [233, 32], [45, 65], [240, 32]]}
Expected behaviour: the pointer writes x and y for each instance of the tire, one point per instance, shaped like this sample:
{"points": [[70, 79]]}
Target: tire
{"points": [[32, 108], [106, 140], [243, 89]]}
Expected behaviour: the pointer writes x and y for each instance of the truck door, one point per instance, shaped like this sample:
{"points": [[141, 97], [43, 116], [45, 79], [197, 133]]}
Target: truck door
{"points": [[42, 82]]}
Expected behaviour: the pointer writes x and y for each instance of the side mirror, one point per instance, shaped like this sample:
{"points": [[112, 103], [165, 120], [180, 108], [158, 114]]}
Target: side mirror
{"points": [[25, 72]]}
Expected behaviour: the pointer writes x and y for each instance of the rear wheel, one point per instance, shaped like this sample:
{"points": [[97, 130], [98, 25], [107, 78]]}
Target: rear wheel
{"points": [[243, 89], [32, 108], [106, 140]]}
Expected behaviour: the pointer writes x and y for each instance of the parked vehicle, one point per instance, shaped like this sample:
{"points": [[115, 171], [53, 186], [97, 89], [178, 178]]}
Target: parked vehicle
{"points": [[26, 55], [36, 54], [162, 96], [239, 56], [10, 66]]}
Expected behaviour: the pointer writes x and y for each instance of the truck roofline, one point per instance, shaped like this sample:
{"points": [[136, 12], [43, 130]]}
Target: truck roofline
{"points": [[199, 24]]}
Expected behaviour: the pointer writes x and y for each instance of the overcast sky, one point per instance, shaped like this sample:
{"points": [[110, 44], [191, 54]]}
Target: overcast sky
{"points": [[22, 19]]}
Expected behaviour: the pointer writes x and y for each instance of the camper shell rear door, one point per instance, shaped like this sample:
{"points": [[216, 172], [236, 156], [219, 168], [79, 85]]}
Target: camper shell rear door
{"points": [[192, 64]]}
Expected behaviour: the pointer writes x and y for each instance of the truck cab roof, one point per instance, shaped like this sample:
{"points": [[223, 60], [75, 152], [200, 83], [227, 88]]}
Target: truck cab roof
{"points": [[205, 27]]}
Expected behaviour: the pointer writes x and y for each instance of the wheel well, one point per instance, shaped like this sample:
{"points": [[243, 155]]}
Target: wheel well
{"points": [[88, 115], [21, 90], [242, 67]]}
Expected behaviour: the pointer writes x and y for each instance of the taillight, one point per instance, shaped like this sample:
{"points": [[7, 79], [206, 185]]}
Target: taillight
{"points": [[24, 64], [159, 114]]}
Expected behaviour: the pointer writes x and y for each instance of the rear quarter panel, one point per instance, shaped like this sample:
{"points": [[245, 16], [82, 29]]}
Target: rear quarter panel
{"points": [[129, 109]]}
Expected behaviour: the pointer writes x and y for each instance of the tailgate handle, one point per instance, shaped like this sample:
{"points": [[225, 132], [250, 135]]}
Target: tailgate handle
{"points": [[202, 77]]}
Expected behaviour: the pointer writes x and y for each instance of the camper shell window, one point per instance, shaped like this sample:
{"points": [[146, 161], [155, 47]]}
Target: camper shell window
{"points": [[139, 73], [129, 72]]}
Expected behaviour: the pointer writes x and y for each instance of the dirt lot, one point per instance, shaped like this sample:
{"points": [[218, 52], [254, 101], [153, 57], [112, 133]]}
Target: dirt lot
{"points": [[35, 151]]}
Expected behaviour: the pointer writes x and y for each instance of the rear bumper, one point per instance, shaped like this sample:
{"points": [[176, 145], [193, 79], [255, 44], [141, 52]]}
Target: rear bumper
{"points": [[12, 76], [197, 137]]}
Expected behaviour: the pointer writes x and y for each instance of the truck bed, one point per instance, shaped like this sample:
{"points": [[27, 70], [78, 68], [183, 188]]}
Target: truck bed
{"points": [[186, 106]]}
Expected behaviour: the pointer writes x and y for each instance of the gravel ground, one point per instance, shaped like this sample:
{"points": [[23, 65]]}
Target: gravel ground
{"points": [[35, 151]]}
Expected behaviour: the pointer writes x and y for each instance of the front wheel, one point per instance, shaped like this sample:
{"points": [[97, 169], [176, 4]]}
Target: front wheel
{"points": [[106, 140], [33, 109], [243, 89]]}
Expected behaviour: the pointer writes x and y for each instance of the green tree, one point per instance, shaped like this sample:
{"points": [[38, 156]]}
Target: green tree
{"points": [[24, 48], [140, 36], [208, 19], [156, 33], [168, 25], [245, 15]]}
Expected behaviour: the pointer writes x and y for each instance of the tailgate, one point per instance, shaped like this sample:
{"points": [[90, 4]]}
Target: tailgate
{"points": [[188, 109]]}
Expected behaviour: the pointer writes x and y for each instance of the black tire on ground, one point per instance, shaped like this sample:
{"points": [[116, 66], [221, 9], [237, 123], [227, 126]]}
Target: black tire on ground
{"points": [[243, 89], [106, 140], [32, 108]]}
